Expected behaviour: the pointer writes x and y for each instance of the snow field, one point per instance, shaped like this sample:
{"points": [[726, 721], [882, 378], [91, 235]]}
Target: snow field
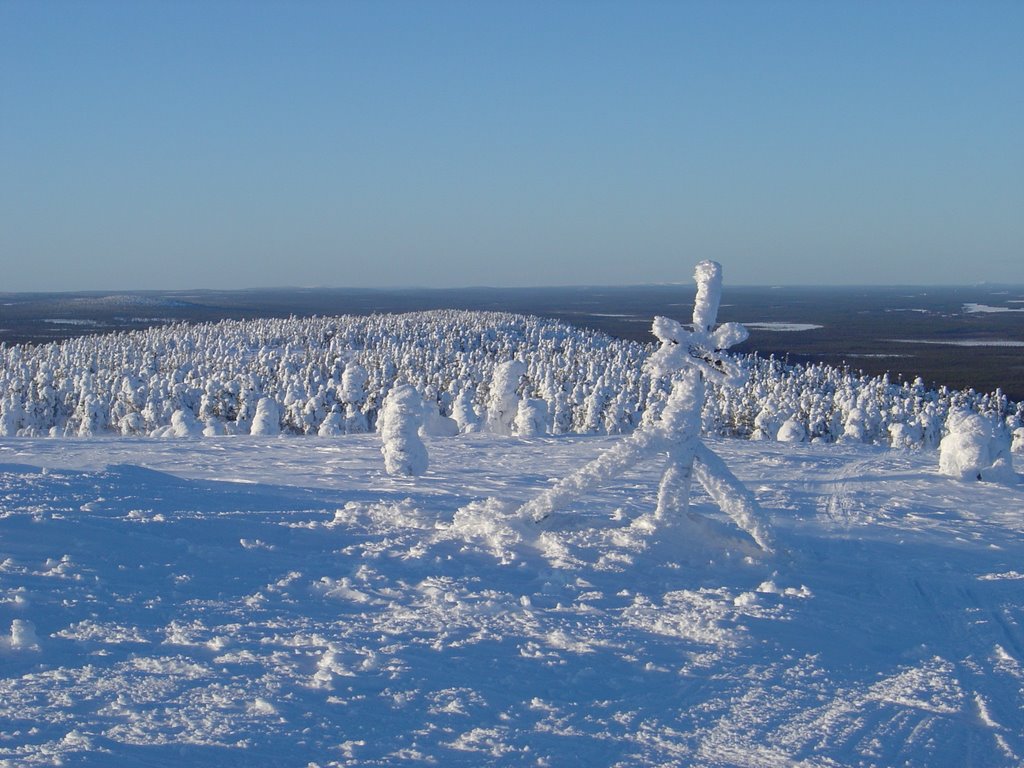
{"points": [[253, 601]]}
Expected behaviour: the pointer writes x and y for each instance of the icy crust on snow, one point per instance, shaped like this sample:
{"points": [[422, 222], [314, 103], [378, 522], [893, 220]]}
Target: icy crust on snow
{"points": [[307, 609]]}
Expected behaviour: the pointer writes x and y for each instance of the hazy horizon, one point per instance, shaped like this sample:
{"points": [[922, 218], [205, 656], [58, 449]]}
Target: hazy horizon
{"points": [[687, 286]]}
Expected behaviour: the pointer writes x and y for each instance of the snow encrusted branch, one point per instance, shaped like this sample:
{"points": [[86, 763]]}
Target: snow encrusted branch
{"points": [[688, 357]]}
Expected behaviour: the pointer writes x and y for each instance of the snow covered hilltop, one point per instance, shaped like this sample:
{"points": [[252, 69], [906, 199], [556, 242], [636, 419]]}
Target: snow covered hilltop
{"points": [[246, 600], [190, 378]]}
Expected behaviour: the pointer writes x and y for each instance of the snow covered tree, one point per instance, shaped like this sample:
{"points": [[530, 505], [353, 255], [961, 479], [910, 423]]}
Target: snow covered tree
{"points": [[973, 449], [183, 424], [400, 420], [791, 431], [11, 416], [353, 397], [503, 398], [904, 435], [435, 423], [531, 417], [332, 425], [463, 411], [688, 357], [1018, 440], [591, 382], [214, 427], [267, 420]]}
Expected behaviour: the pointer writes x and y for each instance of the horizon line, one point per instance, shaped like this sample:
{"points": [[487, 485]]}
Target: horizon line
{"points": [[106, 292]]}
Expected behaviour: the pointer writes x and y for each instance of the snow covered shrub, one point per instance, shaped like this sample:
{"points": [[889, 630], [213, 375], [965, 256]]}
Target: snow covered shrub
{"points": [[464, 413], [905, 436], [353, 396], [503, 398], [10, 416], [332, 425], [973, 450], [855, 427], [267, 420], [400, 420], [766, 423], [436, 425], [1018, 440], [214, 427], [531, 417], [791, 431], [131, 424], [184, 424]]}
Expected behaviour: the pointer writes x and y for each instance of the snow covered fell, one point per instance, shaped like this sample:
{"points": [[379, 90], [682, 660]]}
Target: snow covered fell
{"points": [[327, 561]]}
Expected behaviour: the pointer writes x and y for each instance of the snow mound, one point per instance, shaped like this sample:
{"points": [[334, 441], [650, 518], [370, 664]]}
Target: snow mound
{"points": [[973, 450], [490, 526], [791, 431], [22, 637]]}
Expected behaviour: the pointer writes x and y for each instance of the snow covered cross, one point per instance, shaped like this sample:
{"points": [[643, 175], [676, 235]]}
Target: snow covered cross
{"points": [[689, 357]]}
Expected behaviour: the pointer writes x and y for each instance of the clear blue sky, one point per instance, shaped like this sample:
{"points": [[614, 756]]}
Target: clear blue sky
{"points": [[160, 144]]}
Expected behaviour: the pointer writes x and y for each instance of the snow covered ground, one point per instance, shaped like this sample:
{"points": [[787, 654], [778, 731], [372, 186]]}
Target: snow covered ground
{"points": [[256, 601]]}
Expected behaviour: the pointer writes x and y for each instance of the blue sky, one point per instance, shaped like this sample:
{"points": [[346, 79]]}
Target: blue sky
{"points": [[240, 144]]}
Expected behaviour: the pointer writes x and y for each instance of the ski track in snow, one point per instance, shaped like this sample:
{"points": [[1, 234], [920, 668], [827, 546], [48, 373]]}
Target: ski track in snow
{"points": [[250, 602]]}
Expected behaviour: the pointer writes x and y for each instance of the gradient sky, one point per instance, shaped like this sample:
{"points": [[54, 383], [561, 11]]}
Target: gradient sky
{"points": [[159, 144]]}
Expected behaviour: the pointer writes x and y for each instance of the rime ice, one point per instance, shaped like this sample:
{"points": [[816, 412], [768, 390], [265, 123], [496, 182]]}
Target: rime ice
{"points": [[400, 422], [973, 449], [689, 358]]}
